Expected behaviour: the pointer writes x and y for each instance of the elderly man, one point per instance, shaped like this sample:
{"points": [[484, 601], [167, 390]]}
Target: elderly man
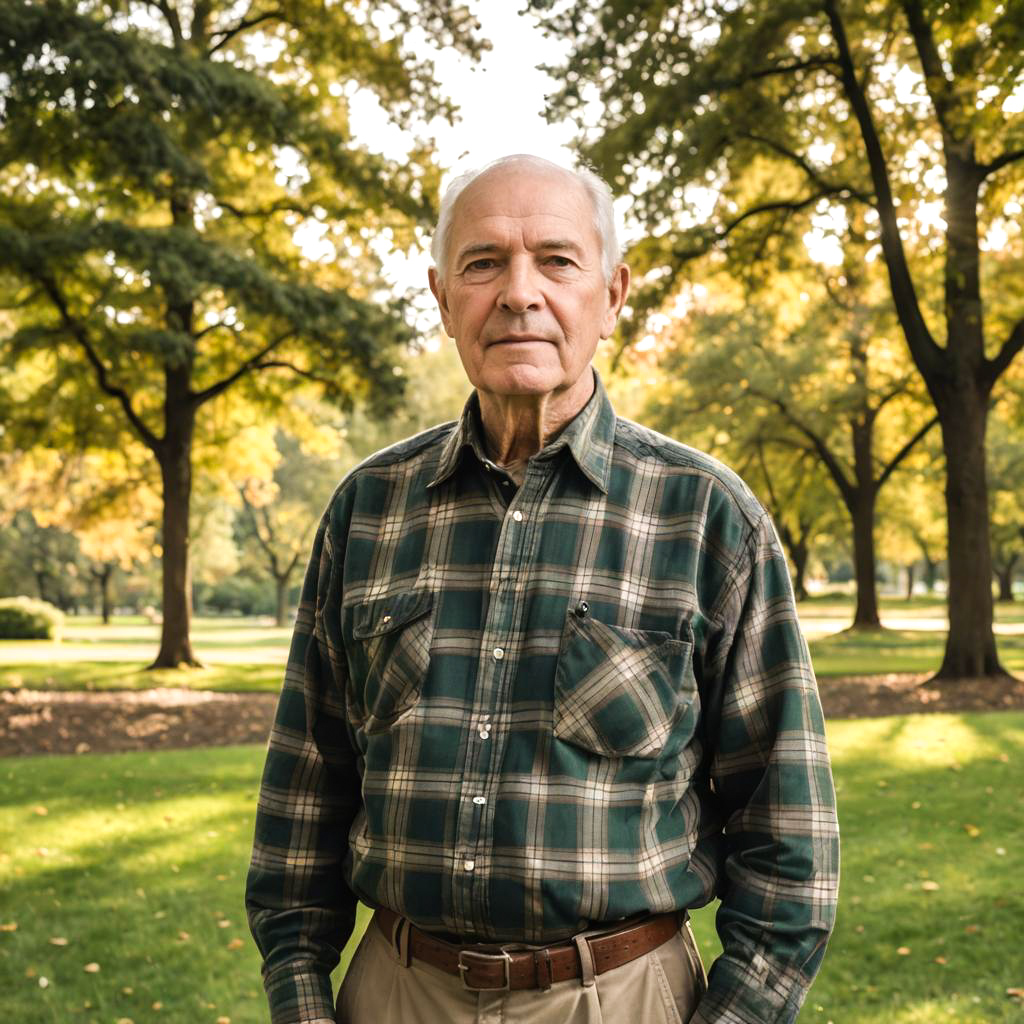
{"points": [[546, 691]]}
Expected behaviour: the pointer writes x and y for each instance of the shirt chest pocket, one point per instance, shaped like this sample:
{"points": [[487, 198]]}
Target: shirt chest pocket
{"points": [[390, 657], [624, 692]]}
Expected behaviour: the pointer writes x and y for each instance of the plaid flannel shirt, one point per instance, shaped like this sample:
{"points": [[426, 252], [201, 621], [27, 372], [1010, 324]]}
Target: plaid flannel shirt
{"points": [[512, 712]]}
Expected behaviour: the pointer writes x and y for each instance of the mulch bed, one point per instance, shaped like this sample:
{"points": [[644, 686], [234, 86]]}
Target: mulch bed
{"points": [[78, 722]]}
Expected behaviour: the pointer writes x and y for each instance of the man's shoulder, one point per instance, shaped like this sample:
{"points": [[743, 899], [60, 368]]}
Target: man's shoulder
{"points": [[408, 449], [643, 443]]}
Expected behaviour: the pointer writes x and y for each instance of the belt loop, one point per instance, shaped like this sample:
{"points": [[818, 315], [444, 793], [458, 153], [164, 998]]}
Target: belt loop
{"points": [[586, 960], [400, 944], [542, 968]]}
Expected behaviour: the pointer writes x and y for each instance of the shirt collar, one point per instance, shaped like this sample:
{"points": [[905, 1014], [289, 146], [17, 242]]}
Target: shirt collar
{"points": [[589, 436]]}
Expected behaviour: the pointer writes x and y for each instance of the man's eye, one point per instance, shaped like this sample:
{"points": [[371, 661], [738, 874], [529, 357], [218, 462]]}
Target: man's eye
{"points": [[560, 261], [485, 263]]}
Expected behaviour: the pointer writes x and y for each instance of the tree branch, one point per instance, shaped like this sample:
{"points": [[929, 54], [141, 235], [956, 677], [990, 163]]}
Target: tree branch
{"points": [[994, 367], [904, 452], [927, 354], [939, 87], [806, 167], [1009, 157], [79, 333], [253, 362], [827, 456], [226, 35], [297, 370]]}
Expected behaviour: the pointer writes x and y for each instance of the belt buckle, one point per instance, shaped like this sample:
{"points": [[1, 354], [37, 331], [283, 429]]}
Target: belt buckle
{"points": [[464, 968]]}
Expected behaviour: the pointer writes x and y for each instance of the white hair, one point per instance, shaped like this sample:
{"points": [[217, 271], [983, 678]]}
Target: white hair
{"points": [[597, 190]]}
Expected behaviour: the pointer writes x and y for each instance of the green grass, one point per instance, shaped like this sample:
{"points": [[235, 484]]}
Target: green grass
{"points": [[136, 849], [894, 650], [121, 675], [262, 648]]}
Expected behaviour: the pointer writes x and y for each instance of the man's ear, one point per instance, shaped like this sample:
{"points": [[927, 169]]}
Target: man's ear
{"points": [[618, 289], [441, 294]]}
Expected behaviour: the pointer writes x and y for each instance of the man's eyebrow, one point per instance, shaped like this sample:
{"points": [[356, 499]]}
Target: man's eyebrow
{"points": [[476, 250], [560, 243], [548, 245]]}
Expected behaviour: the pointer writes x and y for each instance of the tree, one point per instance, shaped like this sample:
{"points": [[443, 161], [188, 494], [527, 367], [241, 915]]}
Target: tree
{"points": [[162, 165], [802, 371], [734, 125]]}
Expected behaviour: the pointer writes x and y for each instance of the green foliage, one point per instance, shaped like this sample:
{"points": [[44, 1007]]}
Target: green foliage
{"points": [[24, 618]]}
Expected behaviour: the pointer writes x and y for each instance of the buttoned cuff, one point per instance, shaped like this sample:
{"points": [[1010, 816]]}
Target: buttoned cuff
{"points": [[299, 994]]}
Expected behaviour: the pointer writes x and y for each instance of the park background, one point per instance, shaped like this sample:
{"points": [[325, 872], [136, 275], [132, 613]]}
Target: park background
{"points": [[213, 224]]}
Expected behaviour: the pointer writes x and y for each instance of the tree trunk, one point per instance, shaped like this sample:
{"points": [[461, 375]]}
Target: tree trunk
{"points": [[104, 577], [800, 553], [175, 457], [863, 513], [910, 581], [1005, 577], [861, 505], [281, 587], [970, 644]]}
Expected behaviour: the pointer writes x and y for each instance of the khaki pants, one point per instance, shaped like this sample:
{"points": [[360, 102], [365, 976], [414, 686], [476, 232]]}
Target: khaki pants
{"points": [[662, 987]]}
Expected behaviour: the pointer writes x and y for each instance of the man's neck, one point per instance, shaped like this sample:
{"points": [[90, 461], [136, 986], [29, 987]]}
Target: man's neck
{"points": [[516, 427]]}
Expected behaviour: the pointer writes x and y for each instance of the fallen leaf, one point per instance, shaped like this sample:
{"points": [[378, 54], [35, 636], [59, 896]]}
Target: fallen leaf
{"points": [[30, 972], [930, 886], [9, 926], [44, 982], [40, 810], [972, 830], [1015, 993], [125, 1020], [222, 878], [175, 868], [92, 968], [160, 914], [127, 990], [859, 929], [1005, 758], [916, 805], [236, 944], [882, 784], [941, 960], [157, 1005], [223, 1020], [903, 951], [1000, 852], [58, 940], [184, 936], [224, 923], [972, 929]]}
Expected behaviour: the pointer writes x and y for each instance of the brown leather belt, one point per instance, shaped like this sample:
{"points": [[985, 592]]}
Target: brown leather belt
{"points": [[487, 968]]}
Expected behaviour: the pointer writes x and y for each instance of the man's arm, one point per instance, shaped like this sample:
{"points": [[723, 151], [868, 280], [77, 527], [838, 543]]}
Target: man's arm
{"points": [[771, 776], [300, 910]]}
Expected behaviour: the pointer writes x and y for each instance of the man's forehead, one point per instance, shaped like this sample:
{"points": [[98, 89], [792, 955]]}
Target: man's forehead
{"points": [[546, 205]]}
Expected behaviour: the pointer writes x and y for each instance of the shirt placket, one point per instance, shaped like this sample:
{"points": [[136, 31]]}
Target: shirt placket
{"points": [[488, 732]]}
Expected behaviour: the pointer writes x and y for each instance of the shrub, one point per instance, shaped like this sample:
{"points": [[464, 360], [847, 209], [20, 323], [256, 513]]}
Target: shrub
{"points": [[25, 618]]}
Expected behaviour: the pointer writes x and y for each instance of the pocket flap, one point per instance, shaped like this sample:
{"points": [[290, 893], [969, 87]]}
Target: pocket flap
{"points": [[387, 613]]}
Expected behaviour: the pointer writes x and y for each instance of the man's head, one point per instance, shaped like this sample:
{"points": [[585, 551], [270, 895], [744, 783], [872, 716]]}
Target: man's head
{"points": [[527, 275]]}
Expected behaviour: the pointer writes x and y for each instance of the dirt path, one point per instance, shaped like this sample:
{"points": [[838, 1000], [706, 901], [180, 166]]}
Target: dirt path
{"points": [[53, 722]]}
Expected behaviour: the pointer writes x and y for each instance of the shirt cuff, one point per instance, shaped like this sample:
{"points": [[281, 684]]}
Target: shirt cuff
{"points": [[299, 994], [739, 994]]}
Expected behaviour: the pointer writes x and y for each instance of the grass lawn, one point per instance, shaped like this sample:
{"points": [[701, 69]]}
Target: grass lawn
{"points": [[121, 675], [136, 863]]}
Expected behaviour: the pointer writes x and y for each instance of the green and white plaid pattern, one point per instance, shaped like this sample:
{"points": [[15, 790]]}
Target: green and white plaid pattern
{"points": [[509, 713]]}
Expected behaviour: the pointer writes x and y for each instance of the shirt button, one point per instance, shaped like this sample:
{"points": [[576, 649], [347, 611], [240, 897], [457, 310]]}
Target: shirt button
{"points": [[484, 734], [499, 653], [469, 864], [517, 516], [479, 800]]}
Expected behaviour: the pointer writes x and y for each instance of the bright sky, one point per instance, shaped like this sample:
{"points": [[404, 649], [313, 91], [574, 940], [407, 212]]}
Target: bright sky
{"points": [[500, 99]]}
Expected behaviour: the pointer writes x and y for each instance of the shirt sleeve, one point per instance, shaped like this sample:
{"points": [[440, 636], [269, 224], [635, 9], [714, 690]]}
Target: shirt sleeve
{"points": [[301, 912], [772, 781]]}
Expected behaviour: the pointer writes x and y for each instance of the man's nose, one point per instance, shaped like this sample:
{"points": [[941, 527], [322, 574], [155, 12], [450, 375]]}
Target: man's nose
{"points": [[521, 290]]}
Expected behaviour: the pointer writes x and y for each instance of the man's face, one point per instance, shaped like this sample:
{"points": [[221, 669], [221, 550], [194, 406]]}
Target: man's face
{"points": [[523, 293]]}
